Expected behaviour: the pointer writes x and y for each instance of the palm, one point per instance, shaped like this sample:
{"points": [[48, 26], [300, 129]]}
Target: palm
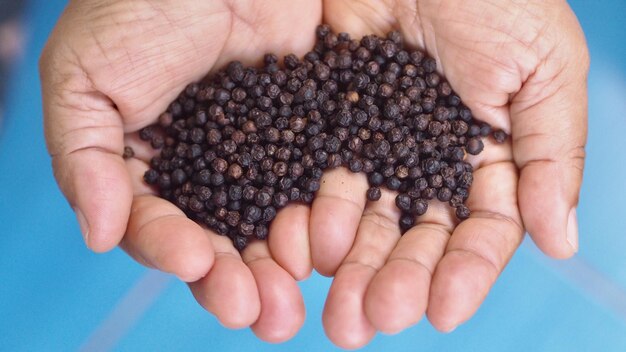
{"points": [[387, 282], [253, 289], [137, 67]]}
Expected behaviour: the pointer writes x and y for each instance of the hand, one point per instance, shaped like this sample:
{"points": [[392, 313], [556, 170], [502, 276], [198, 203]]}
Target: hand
{"points": [[519, 66], [110, 69]]}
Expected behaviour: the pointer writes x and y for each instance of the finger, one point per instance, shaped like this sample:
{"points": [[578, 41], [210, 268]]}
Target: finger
{"points": [[341, 192], [161, 236], [84, 135], [282, 306], [549, 129], [344, 320], [289, 240], [479, 249], [87, 162], [397, 297], [229, 290]]}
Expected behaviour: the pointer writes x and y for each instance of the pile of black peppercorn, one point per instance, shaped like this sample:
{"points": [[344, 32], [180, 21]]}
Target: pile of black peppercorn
{"points": [[239, 147]]}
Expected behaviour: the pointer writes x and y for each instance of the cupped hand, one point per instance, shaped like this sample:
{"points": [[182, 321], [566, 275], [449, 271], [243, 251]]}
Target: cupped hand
{"points": [[109, 69], [520, 66]]}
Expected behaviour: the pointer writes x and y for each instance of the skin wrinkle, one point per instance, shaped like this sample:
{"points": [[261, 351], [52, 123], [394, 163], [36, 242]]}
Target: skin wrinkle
{"points": [[379, 220], [473, 241], [472, 48], [125, 87], [370, 267], [175, 24], [413, 261], [64, 94], [69, 145], [373, 12], [357, 206], [234, 16], [538, 80], [480, 213], [417, 36], [515, 72], [471, 252], [255, 258], [446, 228]]}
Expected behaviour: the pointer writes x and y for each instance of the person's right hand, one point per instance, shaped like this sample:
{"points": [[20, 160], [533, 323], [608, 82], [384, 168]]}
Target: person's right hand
{"points": [[109, 69]]}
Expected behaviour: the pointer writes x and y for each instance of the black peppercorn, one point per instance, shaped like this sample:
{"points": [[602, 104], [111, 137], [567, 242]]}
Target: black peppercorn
{"points": [[403, 202], [241, 145], [418, 207], [373, 194], [474, 146], [462, 212], [393, 183], [500, 136]]}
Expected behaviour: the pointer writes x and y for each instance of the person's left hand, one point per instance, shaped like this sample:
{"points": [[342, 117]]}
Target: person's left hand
{"points": [[520, 68]]}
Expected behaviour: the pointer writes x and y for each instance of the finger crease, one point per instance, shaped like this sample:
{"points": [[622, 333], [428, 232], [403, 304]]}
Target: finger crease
{"points": [[151, 221], [380, 220], [357, 205], [413, 261], [256, 259], [373, 267], [498, 216], [478, 255], [226, 254], [94, 148], [435, 226]]}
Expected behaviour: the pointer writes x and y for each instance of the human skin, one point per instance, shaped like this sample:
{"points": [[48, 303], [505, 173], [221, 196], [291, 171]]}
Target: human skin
{"points": [[110, 68]]}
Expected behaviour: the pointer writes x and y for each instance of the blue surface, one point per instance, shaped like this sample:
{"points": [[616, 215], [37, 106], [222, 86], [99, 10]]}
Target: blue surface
{"points": [[55, 295]]}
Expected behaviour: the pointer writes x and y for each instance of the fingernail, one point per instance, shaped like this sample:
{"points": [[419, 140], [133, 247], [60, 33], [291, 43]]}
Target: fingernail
{"points": [[450, 329], [572, 229], [84, 226]]}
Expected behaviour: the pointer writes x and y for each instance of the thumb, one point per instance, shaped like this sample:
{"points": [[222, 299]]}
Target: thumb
{"points": [[84, 135], [549, 131]]}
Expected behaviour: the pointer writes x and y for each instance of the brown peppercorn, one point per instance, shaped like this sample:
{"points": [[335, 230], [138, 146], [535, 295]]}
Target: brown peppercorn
{"points": [[373, 194], [500, 136], [241, 145], [418, 207], [403, 202], [444, 194], [462, 212], [474, 146]]}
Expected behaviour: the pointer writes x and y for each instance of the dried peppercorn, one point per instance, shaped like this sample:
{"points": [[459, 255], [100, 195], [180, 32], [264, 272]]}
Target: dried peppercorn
{"points": [[500, 136], [237, 148], [373, 193]]}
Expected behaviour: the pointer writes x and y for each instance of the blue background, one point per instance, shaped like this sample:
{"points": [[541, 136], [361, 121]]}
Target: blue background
{"points": [[56, 295]]}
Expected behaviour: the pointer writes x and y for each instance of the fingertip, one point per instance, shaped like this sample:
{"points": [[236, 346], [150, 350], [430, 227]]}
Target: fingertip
{"points": [[397, 296], [332, 236], [282, 306], [343, 318], [555, 246], [98, 188], [192, 259], [444, 327], [229, 292], [161, 236], [548, 215], [289, 241], [460, 284]]}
